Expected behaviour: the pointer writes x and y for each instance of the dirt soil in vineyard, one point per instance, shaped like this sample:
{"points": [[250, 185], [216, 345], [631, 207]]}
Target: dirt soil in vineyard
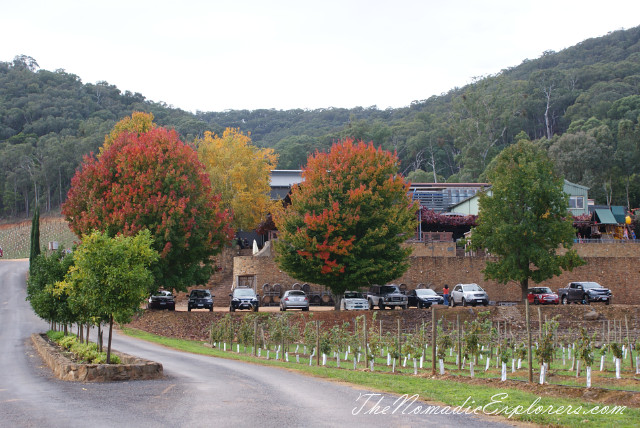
{"points": [[194, 325]]}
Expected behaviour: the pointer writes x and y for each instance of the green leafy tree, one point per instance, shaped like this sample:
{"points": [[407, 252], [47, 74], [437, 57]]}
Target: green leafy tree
{"points": [[46, 270], [110, 277], [524, 223], [347, 220]]}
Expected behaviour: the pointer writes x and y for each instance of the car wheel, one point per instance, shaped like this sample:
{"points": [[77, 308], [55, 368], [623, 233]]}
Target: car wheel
{"points": [[564, 300], [381, 306], [453, 302], [173, 308], [607, 302], [536, 301], [464, 302], [404, 307], [189, 309], [485, 304], [370, 305], [305, 309], [255, 308], [211, 309], [232, 309]]}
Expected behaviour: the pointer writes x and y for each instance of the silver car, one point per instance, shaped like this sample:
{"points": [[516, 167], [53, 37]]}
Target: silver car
{"points": [[469, 294], [294, 299]]}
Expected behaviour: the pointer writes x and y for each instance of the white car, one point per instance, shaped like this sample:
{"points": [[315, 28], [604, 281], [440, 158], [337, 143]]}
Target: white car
{"points": [[469, 294], [354, 301]]}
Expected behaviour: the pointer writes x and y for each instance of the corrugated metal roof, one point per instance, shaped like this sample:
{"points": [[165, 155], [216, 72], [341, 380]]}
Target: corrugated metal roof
{"points": [[619, 213], [605, 217]]}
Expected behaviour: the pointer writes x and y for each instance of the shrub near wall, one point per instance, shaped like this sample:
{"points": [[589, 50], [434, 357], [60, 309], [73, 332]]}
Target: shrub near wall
{"points": [[132, 368]]}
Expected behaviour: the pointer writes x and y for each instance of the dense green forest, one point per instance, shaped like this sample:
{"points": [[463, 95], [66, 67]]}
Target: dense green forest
{"points": [[582, 104]]}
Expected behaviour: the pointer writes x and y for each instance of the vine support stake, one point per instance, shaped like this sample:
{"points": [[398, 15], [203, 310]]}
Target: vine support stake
{"points": [[433, 341], [317, 342], [626, 322], [459, 343], [366, 343], [255, 335]]}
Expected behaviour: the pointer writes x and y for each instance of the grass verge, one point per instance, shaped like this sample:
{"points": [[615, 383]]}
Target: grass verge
{"points": [[521, 405]]}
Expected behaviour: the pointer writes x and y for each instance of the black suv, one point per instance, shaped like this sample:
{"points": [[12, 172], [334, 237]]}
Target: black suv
{"points": [[162, 300], [244, 298], [200, 299]]}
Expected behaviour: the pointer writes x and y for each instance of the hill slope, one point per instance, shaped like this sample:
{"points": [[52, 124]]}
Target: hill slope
{"points": [[582, 102]]}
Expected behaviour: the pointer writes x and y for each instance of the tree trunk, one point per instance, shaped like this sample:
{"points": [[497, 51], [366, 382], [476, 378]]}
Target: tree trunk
{"points": [[109, 342], [337, 299]]}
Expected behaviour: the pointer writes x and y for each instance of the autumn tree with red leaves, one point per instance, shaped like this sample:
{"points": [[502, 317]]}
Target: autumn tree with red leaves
{"points": [[347, 220], [152, 180]]}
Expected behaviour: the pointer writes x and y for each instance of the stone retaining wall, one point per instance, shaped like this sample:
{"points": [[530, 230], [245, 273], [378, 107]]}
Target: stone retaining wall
{"points": [[131, 368]]}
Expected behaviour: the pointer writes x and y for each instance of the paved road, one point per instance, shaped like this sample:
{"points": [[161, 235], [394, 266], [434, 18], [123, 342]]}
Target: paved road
{"points": [[197, 390]]}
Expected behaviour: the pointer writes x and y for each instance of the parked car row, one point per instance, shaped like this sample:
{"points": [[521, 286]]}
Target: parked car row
{"points": [[197, 299], [389, 296]]}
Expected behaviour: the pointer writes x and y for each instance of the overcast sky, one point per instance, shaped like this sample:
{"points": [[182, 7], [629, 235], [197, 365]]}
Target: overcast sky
{"points": [[250, 54]]}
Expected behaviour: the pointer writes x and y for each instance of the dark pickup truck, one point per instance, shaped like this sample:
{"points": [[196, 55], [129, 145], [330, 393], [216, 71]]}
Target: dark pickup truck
{"points": [[384, 296], [585, 293]]}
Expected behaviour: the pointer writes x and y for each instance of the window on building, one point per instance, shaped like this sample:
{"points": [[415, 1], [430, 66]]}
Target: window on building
{"points": [[576, 202]]}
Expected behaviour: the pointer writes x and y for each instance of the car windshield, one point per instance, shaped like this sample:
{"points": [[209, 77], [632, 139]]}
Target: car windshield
{"points": [[199, 294], [296, 293], [425, 292], [352, 295], [243, 292], [541, 290], [587, 285], [386, 289], [162, 293], [471, 287]]}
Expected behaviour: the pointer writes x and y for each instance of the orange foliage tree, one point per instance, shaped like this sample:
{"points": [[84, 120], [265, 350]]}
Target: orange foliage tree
{"points": [[152, 180], [347, 220]]}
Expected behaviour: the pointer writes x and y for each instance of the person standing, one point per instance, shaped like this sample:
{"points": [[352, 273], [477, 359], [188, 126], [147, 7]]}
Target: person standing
{"points": [[445, 294]]}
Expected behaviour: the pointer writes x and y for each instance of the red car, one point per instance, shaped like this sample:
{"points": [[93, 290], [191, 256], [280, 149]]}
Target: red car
{"points": [[542, 296]]}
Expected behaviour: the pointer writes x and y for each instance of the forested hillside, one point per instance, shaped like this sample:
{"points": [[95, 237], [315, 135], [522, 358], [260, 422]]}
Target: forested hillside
{"points": [[582, 104]]}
